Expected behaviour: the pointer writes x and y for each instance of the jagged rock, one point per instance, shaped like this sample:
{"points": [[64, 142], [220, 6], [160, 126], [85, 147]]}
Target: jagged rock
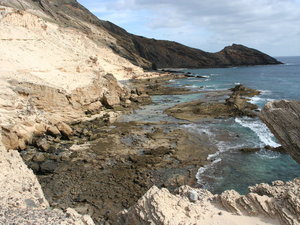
{"points": [[265, 204], [283, 119], [110, 99], [65, 129], [53, 130], [43, 144]]}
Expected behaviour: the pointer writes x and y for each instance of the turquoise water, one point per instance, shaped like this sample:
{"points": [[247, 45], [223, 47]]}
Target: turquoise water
{"points": [[230, 168]]}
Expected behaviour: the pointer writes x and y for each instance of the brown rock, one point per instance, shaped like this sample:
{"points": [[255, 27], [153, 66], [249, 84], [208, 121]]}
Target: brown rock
{"points": [[43, 144], [10, 140], [110, 99], [53, 130], [65, 129], [283, 119]]}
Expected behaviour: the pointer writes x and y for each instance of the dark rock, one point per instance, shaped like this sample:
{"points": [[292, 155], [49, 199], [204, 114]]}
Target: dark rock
{"points": [[283, 119], [42, 144], [39, 157], [48, 167], [34, 166], [250, 150], [279, 149]]}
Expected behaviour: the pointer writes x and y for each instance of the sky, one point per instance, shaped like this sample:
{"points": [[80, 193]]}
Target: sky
{"points": [[271, 26]]}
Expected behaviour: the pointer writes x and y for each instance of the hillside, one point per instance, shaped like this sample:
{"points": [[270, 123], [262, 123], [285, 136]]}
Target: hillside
{"points": [[141, 51]]}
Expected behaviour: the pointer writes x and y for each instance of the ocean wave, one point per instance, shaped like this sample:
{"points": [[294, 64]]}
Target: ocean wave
{"points": [[260, 129], [202, 169], [256, 99], [192, 86], [264, 154]]}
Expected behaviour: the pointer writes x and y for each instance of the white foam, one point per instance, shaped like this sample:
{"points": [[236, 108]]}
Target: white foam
{"points": [[256, 99], [268, 154], [260, 129], [192, 86], [202, 169]]}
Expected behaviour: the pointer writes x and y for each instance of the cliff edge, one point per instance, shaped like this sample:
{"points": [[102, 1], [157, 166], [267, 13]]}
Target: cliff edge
{"points": [[283, 119]]}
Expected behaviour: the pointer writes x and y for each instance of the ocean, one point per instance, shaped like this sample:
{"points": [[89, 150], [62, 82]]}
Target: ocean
{"points": [[231, 168]]}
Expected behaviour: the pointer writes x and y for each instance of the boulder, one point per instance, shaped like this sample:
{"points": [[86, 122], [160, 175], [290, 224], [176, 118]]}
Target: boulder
{"points": [[53, 130], [283, 119], [110, 99], [65, 129]]}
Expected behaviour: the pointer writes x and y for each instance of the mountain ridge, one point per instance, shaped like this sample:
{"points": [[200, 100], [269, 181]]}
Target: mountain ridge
{"points": [[141, 51]]}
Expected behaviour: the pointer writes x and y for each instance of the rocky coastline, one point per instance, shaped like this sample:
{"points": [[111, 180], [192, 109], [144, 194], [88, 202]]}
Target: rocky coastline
{"points": [[64, 156], [104, 166], [97, 159]]}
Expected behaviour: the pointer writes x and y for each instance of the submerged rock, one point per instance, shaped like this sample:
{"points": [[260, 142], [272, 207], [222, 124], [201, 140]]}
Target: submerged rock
{"points": [[283, 119]]}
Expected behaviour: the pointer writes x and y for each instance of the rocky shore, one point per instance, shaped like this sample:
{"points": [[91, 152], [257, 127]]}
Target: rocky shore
{"points": [[282, 117], [64, 157], [101, 168], [216, 105]]}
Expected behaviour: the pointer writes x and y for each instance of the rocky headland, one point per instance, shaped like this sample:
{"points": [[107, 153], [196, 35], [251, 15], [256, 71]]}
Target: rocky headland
{"points": [[61, 92]]}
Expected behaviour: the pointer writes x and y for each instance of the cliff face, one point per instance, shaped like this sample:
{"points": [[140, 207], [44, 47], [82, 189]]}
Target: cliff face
{"points": [[144, 52], [283, 119]]}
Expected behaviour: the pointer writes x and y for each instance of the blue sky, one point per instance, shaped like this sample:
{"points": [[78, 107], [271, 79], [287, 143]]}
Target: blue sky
{"points": [[272, 26]]}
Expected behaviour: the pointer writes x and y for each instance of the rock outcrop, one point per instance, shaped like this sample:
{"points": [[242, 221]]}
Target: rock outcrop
{"points": [[283, 119], [22, 198], [265, 204], [216, 105], [141, 51]]}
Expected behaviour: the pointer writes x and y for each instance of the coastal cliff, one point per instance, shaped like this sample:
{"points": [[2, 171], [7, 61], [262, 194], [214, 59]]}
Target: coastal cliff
{"points": [[141, 51], [283, 119]]}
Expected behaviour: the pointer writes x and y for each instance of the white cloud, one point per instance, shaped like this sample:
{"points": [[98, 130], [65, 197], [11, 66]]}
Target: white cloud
{"points": [[212, 24]]}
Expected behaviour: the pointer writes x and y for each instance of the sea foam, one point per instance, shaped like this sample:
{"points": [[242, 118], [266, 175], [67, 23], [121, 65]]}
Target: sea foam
{"points": [[260, 129]]}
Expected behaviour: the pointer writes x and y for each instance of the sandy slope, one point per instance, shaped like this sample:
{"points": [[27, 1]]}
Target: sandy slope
{"points": [[38, 51]]}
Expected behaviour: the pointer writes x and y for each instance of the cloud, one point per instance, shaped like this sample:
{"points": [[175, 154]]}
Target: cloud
{"points": [[210, 24]]}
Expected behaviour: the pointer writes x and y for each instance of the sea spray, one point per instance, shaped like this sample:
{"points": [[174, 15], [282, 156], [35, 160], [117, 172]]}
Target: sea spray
{"points": [[260, 129]]}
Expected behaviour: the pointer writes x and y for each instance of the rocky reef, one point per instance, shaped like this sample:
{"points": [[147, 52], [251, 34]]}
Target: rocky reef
{"points": [[217, 105], [283, 119]]}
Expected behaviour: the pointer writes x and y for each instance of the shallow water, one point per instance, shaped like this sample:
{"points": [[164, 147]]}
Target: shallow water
{"points": [[230, 168]]}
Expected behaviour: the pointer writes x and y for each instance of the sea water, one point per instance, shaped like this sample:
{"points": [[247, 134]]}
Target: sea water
{"points": [[230, 168]]}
